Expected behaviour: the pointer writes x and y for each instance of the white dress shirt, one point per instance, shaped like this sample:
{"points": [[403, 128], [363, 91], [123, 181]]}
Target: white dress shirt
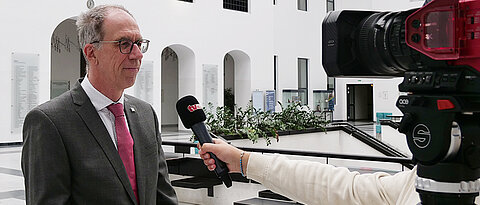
{"points": [[101, 102]]}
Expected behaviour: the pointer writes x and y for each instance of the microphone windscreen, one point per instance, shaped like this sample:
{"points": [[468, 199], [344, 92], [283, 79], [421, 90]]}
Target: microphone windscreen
{"points": [[190, 111]]}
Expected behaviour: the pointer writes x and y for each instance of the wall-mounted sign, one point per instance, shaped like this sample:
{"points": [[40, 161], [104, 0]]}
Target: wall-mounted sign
{"points": [[144, 83], [270, 101], [24, 87], [210, 86], [257, 100]]}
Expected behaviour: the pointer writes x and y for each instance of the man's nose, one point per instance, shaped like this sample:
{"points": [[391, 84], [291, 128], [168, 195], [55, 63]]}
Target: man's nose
{"points": [[136, 53]]}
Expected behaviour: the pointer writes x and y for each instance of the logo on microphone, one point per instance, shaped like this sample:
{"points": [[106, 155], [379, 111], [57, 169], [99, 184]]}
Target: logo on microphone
{"points": [[192, 108]]}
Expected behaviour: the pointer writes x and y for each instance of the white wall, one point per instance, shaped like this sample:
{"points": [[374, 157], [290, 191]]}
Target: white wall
{"points": [[397, 5], [378, 5], [28, 27], [356, 5], [297, 34], [203, 29]]}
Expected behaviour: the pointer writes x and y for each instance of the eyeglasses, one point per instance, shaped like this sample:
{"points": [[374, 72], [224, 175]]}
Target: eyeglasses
{"points": [[126, 46]]}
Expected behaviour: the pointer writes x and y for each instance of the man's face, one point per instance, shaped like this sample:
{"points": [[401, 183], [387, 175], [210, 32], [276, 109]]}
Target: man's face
{"points": [[119, 70]]}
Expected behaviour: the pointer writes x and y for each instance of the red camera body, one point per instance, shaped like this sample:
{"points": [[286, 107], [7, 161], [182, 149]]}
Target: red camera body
{"points": [[447, 30]]}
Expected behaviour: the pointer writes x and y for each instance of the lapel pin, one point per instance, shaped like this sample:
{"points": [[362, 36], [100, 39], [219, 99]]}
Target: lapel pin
{"points": [[132, 109]]}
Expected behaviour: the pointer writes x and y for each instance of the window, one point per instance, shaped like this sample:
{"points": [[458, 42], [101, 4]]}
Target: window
{"points": [[275, 72], [330, 83], [237, 5], [303, 80], [275, 76], [289, 97], [302, 5], [330, 5], [191, 1]]}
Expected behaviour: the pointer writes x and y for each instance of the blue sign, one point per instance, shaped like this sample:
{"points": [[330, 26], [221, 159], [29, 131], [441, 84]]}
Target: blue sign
{"points": [[270, 101]]}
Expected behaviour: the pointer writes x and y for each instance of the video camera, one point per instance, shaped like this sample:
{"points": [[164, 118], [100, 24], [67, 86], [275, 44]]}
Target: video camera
{"points": [[436, 49]]}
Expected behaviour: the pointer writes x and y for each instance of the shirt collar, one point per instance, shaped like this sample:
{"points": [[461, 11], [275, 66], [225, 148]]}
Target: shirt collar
{"points": [[98, 100]]}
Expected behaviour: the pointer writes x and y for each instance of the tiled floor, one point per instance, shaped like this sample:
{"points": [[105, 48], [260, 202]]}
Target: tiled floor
{"points": [[12, 191]]}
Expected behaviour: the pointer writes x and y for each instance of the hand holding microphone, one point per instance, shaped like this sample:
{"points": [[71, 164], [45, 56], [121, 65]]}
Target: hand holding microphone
{"points": [[192, 116], [225, 152]]}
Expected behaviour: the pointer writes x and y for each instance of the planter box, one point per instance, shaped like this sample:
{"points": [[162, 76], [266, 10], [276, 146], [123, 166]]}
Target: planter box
{"points": [[232, 137], [280, 133]]}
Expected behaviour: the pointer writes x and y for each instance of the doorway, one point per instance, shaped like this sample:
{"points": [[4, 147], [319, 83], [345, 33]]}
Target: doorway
{"points": [[178, 79], [229, 82], [237, 78], [360, 102], [169, 90]]}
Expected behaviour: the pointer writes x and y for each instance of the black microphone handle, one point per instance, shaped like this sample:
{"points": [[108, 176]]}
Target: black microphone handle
{"points": [[221, 169]]}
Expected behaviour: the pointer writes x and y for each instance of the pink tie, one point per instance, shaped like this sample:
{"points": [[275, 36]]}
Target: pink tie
{"points": [[124, 144]]}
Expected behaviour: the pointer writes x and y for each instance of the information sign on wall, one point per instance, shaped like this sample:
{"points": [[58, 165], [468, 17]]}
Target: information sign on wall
{"points": [[257, 100], [144, 82], [270, 101], [24, 87], [210, 85]]}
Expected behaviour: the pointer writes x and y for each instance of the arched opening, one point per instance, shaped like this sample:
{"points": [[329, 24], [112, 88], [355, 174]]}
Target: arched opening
{"points": [[67, 62], [169, 89], [237, 76], [177, 80], [228, 82]]}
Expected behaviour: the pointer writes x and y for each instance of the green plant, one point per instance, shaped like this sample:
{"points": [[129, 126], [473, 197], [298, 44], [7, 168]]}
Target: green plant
{"points": [[299, 117], [255, 124], [222, 121]]}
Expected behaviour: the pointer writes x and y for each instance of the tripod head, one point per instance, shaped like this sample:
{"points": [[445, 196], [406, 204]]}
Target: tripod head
{"points": [[441, 128]]}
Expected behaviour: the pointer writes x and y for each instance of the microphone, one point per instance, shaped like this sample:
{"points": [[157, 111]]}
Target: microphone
{"points": [[192, 116]]}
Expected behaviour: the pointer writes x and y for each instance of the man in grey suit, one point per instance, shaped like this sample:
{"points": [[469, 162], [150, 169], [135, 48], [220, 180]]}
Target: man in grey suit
{"points": [[77, 149]]}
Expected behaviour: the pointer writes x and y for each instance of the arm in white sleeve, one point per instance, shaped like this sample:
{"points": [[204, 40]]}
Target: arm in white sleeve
{"points": [[316, 183]]}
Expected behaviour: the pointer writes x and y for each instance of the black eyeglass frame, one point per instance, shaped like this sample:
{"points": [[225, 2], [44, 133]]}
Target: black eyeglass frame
{"points": [[121, 42]]}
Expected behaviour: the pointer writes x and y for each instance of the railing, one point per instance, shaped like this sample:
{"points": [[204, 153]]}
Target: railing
{"points": [[395, 118], [391, 123], [405, 162], [369, 140]]}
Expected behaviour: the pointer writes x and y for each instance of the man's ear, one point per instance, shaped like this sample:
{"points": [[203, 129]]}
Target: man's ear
{"points": [[90, 54]]}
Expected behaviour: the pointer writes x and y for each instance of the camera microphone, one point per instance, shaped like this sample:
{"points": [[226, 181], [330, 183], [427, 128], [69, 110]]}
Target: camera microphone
{"points": [[192, 116]]}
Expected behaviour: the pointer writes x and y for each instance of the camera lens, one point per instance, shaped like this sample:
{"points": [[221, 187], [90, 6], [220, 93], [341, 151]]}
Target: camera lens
{"points": [[369, 44], [381, 43]]}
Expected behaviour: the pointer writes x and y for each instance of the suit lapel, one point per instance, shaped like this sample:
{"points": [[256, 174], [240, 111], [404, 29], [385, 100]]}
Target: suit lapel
{"points": [[92, 120]]}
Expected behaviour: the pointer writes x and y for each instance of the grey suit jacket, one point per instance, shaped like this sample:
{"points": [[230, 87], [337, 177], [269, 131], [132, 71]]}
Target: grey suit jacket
{"points": [[68, 156]]}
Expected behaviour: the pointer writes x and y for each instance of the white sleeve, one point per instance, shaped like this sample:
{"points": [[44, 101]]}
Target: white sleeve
{"points": [[316, 183]]}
